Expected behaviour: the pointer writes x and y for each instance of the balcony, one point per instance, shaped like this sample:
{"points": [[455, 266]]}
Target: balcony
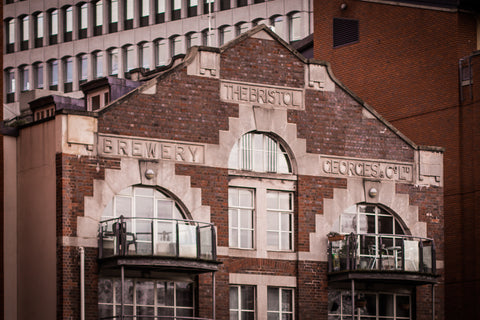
{"points": [[166, 244], [382, 257]]}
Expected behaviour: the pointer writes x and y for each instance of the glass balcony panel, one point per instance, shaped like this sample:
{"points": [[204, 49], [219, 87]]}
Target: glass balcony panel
{"points": [[206, 248], [187, 235], [128, 291], [165, 243], [427, 258], [411, 255]]}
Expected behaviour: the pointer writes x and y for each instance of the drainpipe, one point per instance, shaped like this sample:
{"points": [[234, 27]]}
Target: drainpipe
{"points": [[81, 251]]}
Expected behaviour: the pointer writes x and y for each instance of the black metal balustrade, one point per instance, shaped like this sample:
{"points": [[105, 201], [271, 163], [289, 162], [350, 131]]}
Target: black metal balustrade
{"points": [[381, 253], [153, 237]]}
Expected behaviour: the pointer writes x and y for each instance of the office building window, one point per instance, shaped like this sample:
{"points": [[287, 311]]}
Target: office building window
{"points": [[160, 11], [38, 29], [242, 3], [175, 46], [345, 31], [144, 12], [258, 21], [10, 85], [68, 73], [10, 33], [113, 16], [192, 39], [240, 217], [82, 68], [370, 305], [24, 32], [280, 303], [129, 62], [192, 8], [295, 27], [97, 64], [144, 54], [53, 75], [278, 25], [161, 52], [242, 302], [38, 75], [113, 62], [67, 24], [226, 34], [98, 18], [128, 14], [82, 20], [224, 4], [208, 6], [279, 220], [208, 37], [259, 152], [176, 9], [240, 28], [24, 78], [53, 26], [146, 297]]}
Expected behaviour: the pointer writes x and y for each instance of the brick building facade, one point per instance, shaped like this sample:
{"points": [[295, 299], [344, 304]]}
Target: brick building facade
{"points": [[242, 182], [421, 61]]}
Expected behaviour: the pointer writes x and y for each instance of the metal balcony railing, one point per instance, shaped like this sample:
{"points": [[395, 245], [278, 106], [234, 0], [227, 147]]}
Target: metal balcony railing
{"points": [[381, 252], [155, 237]]}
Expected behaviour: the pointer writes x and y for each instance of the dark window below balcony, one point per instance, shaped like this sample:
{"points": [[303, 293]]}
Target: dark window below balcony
{"points": [[113, 27], [160, 18], [24, 45], [128, 24], [53, 39], [38, 42], [67, 36]]}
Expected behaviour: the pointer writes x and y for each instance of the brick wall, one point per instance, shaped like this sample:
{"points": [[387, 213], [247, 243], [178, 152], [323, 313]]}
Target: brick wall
{"points": [[410, 58]]}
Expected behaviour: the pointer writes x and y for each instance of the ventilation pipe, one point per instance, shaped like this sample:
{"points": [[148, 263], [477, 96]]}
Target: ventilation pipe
{"points": [[81, 251]]}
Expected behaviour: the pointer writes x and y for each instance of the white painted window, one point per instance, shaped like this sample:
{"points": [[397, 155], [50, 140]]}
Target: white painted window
{"points": [[242, 302], [295, 27], [69, 19], [11, 31], [161, 52], [369, 305], [259, 152], [54, 22], [241, 217], [98, 64], [146, 297], [53, 72], [83, 67], [145, 8], [280, 303], [25, 28], [24, 78], [38, 75], [129, 62], [99, 14], [84, 16], [39, 25], [114, 11], [279, 220], [113, 61], [129, 9], [144, 50]]}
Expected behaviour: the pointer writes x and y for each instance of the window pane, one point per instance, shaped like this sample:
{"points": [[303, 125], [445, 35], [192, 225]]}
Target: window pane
{"points": [[273, 299], [83, 67], [105, 290], [99, 13], [385, 225], [246, 239], [248, 297], [165, 294], [233, 297], [287, 296], [114, 11], [123, 207], [11, 31], [385, 305], [144, 292], [184, 294], [245, 198], [129, 10], [39, 75], [160, 6], [403, 306], [54, 72], [26, 29], [68, 19], [145, 8], [54, 22], [39, 25], [84, 16], [144, 207]]}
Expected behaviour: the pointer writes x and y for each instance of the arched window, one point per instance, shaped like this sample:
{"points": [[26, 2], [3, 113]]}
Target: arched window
{"points": [[53, 74], [24, 78], [82, 20], [67, 23], [98, 18], [24, 32], [278, 25], [82, 68], [97, 64], [129, 59], [378, 232], [67, 74], [38, 75], [38, 29], [226, 34], [240, 28], [295, 26], [259, 152], [144, 53], [53, 26], [113, 61], [161, 52], [10, 84], [192, 39]]}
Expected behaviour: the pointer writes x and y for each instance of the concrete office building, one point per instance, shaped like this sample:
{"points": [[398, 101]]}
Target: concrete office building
{"points": [[243, 182], [54, 46], [422, 60]]}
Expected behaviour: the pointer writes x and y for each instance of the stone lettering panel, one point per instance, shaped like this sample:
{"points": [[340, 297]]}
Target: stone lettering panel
{"points": [[341, 167], [117, 146], [262, 95]]}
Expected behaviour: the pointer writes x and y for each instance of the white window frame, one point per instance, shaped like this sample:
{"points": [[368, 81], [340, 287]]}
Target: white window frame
{"points": [[281, 302], [278, 213], [235, 221], [240, 310]]}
